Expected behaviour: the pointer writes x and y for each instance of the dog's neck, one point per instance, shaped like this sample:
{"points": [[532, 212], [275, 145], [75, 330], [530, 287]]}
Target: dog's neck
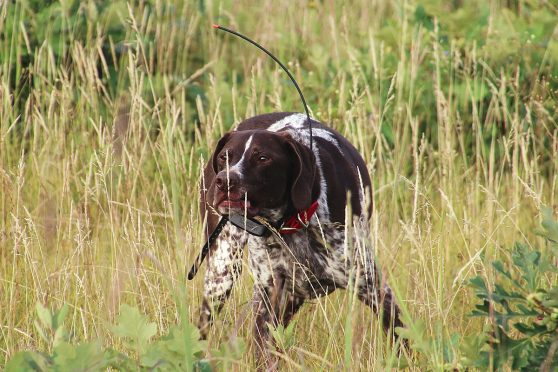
{"points": [[274, 215]]}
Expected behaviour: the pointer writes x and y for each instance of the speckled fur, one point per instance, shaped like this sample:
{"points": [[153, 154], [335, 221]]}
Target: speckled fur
{"points": [[224, 267], [317, 261]]}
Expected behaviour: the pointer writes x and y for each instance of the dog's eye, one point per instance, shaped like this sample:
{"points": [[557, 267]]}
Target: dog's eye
{"points": [[263, 158], [223, 157]]}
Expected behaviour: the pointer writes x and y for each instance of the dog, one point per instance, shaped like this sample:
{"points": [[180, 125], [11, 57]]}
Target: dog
{"points": [[270, 169]]}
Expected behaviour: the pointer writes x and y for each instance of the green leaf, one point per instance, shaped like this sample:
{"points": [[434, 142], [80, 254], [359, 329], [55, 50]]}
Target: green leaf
{"points": [[551, 299], [481, 309], [179, 350], [61, 335], [284, 337], [19, 362], [417, 335], [119, 361], [41, 331], [471, 349], [44, 315], [51, 321], [423, 18], [530, 330], [88, 356], [500, 268], [132, 325], [229, 352], [59, 316], [27, 361], [478, 283], [528, 262], [203, 366], [517, 307], [153, 357], [550, 225], [500, 294]]}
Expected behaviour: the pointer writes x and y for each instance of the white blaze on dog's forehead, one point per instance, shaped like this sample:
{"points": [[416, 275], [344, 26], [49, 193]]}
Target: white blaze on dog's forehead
{"points": [[238, 166]]}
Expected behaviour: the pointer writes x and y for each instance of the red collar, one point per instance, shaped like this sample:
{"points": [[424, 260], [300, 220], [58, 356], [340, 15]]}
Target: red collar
{"points": [[299, 220]]}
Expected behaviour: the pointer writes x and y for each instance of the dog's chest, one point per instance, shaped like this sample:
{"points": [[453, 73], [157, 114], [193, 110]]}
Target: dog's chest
{"points": [[311, 263]]}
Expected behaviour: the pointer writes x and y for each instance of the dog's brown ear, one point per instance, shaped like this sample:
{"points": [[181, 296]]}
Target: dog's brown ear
{"points": [[305, 174], [218, 149]]}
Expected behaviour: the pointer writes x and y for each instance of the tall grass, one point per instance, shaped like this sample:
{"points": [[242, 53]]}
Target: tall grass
{"points": [[108, 111]]}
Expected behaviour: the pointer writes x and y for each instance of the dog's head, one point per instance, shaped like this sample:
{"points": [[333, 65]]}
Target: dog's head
{"points": [[258, 170]]}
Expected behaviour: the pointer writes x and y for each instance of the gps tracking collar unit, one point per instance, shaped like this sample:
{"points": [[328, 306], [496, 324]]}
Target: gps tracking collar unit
{"points": [[291, 224]]}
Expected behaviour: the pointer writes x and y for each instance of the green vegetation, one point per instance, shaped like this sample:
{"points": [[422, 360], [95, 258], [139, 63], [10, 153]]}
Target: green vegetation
{"points": [[180, 350], [109, 109], [520, 313]]}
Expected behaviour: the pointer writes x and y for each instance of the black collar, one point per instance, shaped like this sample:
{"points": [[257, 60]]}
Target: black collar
{"points": [[249, 225]]}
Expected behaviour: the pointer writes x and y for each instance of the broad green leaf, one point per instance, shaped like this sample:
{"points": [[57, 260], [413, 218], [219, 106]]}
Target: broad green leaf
{"points": [[203, 366], [230, 351], [499, 266], [120, 361], [551, 298], [417, 335], [84, 357], [59, 316], [19, 362], [183, 344], [61, 335], [528, 262], [133, 326], [44, 315], [478, 283], [154, 357], [472, 350], [530, 329], [284, 337], [41, 331], [27, 361]]}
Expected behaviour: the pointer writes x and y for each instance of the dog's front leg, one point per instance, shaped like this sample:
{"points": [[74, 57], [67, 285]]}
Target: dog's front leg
{"points": [[273, 304], [266, 302], [224, 267], [378, 295], [263, 316]]}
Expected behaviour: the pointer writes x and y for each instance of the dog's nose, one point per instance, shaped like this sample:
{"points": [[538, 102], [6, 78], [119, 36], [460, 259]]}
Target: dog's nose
{"points": [[226, 181]]}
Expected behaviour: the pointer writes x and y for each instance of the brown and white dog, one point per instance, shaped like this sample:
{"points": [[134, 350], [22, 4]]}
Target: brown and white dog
{"points": [[266, 168]]}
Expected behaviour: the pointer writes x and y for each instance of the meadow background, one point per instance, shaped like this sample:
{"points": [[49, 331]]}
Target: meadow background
{"points": [[108, 110]]}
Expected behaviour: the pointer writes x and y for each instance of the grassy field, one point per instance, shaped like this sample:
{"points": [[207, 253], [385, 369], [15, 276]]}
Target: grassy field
{"points": [[108, 111]]}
